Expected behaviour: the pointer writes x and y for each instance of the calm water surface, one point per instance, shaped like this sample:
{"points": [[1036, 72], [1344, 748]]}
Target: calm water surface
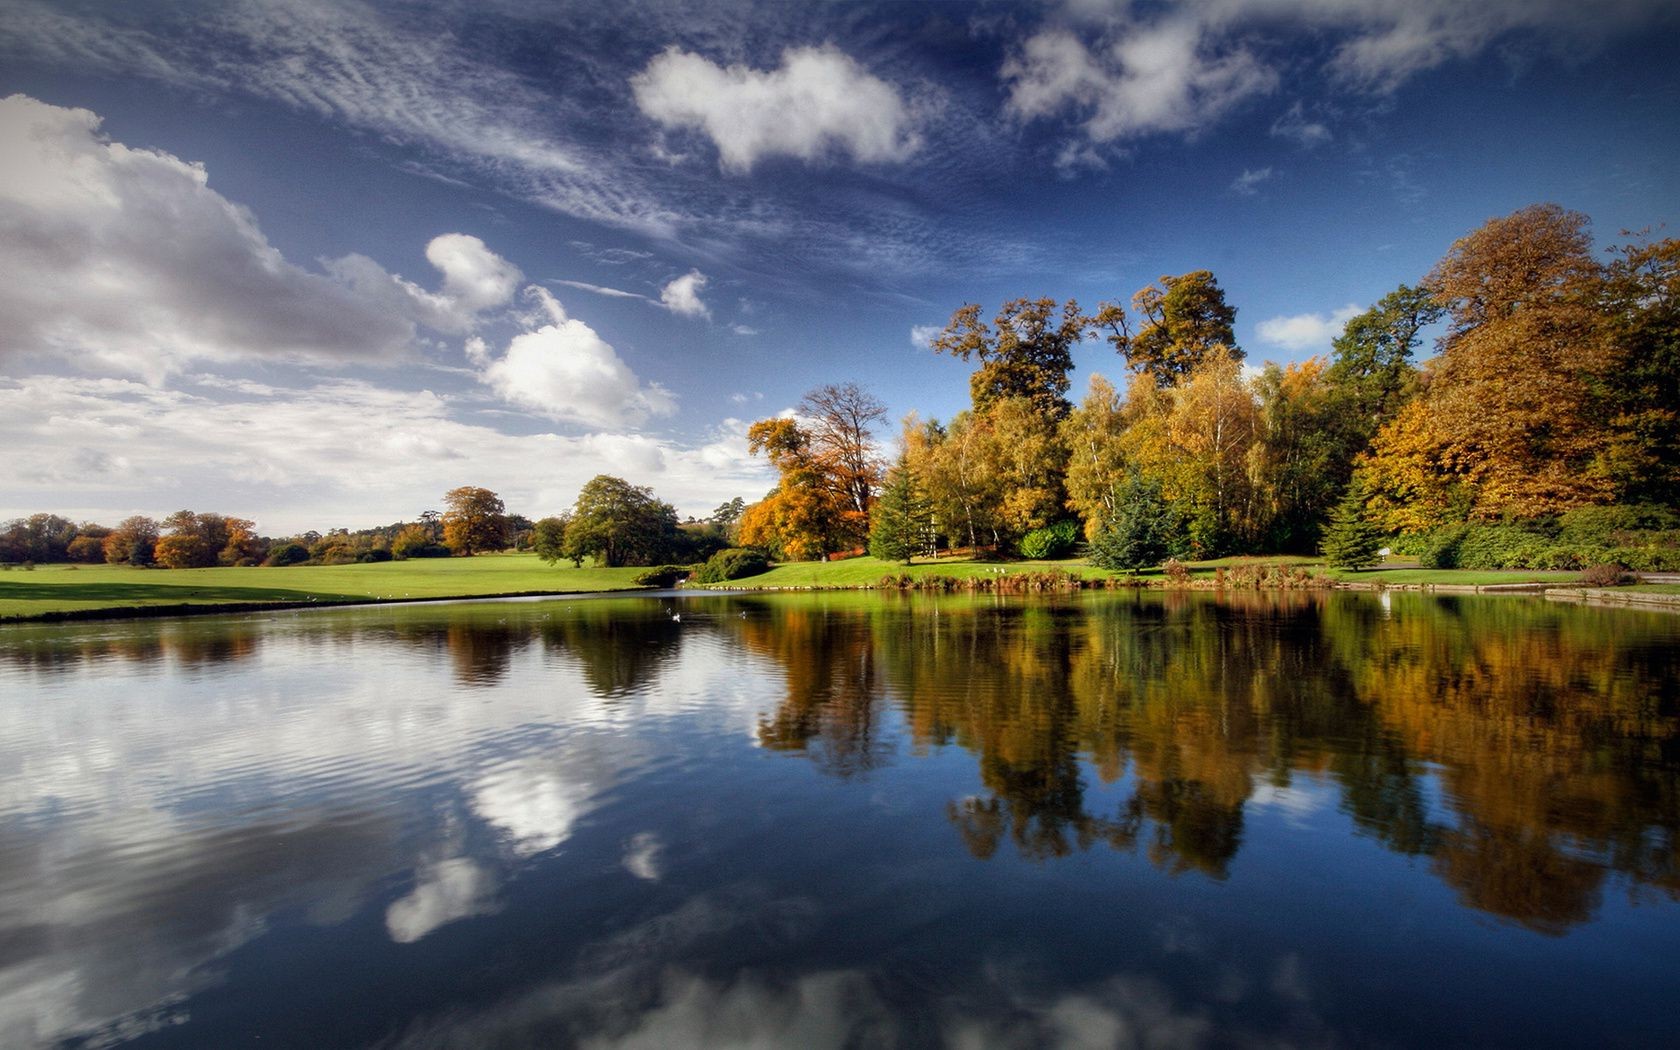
{"points": [[1106, 820]]}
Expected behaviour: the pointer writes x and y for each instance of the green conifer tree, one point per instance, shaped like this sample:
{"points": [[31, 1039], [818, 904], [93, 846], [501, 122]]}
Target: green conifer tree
{"points": [[898, 521], [1140, 534], [1350, 540]]}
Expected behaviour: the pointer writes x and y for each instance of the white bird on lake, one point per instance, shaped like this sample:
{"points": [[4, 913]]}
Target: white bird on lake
{"points": [[676, 617]]}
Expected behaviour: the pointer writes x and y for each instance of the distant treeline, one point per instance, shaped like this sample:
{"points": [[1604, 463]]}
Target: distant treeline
{"points": [[1544, 433]]}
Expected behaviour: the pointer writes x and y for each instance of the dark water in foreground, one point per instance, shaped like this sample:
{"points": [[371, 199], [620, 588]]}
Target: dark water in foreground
{"points": [[1107, 820]]}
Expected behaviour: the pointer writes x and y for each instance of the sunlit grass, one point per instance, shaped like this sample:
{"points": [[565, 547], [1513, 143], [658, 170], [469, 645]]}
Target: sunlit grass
{"points": [[66, 588]]}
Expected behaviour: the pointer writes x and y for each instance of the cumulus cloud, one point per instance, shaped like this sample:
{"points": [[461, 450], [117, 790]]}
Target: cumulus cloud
{"points": [[127, 258], [819, 102], [1170, 76], [1300, 333], [475, 280], [565, 371], [453, 889], [1248, 183], [682, 296]]}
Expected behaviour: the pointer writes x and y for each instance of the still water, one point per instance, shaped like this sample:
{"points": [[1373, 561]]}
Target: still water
{"points": [[1101, 820]]}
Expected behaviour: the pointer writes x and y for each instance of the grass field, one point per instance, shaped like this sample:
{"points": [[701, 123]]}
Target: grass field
{"points": [[65, 588], [55, 589]]}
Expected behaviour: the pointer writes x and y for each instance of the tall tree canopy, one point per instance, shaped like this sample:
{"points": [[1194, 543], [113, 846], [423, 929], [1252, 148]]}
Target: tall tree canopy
{"points": [[1029, 353], [620, 524], [1504, 419], [1181, 320]]}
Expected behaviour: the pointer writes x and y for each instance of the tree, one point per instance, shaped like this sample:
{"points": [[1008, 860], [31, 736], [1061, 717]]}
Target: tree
{"points": [[1140, 533], [620, 524], [1183, 319], [1371, 369], [1029, 355], [1096, 457], [1506, 414], [809, 514], [1302, 459], [548, 539], [1638, 391], [475, 520], [899, 525], [1350, 540], [841, 422], [727, 514], [133, 542]]}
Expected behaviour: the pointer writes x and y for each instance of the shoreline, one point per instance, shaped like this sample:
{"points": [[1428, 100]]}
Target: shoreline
{"points": [[1552, 592]]}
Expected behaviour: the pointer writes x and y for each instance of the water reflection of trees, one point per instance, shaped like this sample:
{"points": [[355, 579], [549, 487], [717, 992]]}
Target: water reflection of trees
{"points": [[1526, 749]]}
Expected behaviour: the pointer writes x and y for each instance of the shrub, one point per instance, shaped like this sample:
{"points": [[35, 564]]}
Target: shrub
{"points": [[1054, 541], [373, 554], [1604, 574], [287, 554], [1598, 525], [1439, 549], [661, 576], [1177, 573], [732, 564]]}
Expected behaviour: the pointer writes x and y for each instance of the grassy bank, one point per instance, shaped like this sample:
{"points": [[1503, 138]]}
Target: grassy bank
{"points": [[53, 589]]}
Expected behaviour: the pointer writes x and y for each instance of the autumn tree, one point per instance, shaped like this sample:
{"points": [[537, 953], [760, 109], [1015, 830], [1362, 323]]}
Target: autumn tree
{"points": [[809, 514], [1505, 415], [1028, 354], [1197, 439], [195, 540], [133, 542], [1181, 320], [840, 422], [1096, 462], [620, 524], [474, 520]]}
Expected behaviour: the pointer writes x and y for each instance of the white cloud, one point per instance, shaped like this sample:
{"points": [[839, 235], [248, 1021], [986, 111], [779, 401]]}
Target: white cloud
{"points": [[1304, 332], [1126, 73], [745, 330], [475, 280], [922, 335], [453, 889], [103, 449], [818, 102], [126, 258], [531, 804], [407, 84], [598, 289], [682, 296], [1294, 126], [1248, 183], [1169, 76], [642, 856], [564, 370]]}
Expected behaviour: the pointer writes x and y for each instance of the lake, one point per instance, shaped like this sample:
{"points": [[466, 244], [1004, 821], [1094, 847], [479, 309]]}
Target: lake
{"points": [[1107, 819]]}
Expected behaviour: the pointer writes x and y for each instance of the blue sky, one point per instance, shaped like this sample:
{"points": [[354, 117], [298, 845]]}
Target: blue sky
{"points": [[316, 263]]}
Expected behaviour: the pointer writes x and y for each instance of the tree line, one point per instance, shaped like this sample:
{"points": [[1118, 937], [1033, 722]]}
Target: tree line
{"points": [[1555, 390]]}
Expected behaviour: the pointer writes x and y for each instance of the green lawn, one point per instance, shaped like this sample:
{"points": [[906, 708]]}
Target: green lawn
{"points": [[64, 588]]}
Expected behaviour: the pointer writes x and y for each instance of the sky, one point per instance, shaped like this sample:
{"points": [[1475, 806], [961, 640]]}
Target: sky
{"points": [[315, 264]]}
